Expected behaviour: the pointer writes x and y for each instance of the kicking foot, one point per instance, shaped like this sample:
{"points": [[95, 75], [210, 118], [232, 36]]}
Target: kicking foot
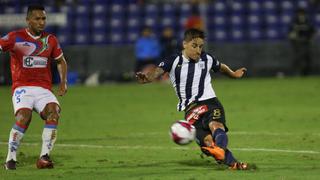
{"points": [[239, 166], [44, 162], [10, 165], [215, 151]]}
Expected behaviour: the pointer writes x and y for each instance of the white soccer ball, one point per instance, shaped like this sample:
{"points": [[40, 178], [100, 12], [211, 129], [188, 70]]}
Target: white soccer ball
{"points": [[182, 132]]}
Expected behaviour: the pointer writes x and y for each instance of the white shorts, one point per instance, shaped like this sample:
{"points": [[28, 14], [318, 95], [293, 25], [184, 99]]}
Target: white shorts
{"points": [[33, 98]]}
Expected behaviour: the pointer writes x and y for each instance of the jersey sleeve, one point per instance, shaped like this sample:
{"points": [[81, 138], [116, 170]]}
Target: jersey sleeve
{"points": [[215, 63], [7, 42], [56, 49], [166, 64]]}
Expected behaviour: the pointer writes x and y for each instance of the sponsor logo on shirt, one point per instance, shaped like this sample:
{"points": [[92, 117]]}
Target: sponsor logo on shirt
{"points": [[35, 62], [196, 113]]}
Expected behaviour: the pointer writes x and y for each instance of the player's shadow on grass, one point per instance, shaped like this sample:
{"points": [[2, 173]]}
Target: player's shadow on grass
{"points": [[27, 160], [71, 141], [182, 164], [212, 164], [203, 163]]}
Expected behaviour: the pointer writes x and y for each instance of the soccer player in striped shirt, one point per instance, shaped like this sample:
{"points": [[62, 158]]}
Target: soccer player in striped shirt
{"points": [[190, 75], [31, 52]]}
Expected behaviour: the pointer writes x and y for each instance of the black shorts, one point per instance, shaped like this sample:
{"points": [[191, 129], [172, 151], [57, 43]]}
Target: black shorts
{"points": [[201, 113]]}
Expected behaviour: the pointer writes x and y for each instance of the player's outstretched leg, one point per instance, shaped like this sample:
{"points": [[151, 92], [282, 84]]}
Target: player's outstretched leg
{"points": [[49, 136], [233, 163], [220, 152], [23, 119]]}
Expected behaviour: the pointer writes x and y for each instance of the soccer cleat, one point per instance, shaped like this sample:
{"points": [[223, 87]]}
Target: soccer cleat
{"points": [[44, 162], [217, 152], [239, 166], [10, 165]]}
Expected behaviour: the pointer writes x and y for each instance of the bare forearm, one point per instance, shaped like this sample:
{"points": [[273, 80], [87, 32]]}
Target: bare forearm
{"points": [[154, 74], [226, 70], [233, 74], [62, 69]]}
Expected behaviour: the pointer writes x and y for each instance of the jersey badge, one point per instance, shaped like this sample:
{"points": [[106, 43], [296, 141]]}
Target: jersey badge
{"points": [[201, 65]]}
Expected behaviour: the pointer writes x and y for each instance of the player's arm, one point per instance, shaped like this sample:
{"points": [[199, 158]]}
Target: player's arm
{"points": [[7, 42], [234, 74], [149, 76], [1, 44], [62, 69], [155, 73]]}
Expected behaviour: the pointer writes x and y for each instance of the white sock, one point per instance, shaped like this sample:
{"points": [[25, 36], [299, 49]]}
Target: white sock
{"points": [[13, 144], [49, 137]]}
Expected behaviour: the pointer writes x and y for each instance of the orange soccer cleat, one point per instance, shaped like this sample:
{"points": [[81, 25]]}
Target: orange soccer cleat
{"points": [[217, 152], [239, 166]]}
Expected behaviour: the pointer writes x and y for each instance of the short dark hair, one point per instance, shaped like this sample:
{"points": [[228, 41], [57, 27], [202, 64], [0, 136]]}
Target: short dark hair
{"points": [[34, 7], [193, 33]]}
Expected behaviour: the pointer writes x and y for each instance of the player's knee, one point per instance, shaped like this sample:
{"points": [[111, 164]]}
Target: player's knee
{"points": [[53, 116], [216, 125], [52, 120], [23, 117]]}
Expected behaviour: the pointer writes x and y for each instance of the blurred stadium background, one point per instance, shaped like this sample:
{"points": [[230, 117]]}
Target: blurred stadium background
{"points": [[120, 131], [98, 35]]}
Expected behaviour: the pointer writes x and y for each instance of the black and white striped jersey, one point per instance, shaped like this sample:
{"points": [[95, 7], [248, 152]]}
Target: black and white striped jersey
{"points": [[191, 80]]}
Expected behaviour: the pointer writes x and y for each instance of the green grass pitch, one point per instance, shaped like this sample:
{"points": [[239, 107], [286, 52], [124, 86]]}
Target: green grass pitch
{"points": [[120, 131]]}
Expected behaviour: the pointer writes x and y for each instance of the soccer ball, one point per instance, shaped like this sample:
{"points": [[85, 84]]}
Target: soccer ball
{"points": [[182, 132]]}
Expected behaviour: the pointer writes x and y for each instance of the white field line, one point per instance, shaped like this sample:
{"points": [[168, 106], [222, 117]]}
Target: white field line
{"points": [[142, 134], [235, 133], [172, 148]]}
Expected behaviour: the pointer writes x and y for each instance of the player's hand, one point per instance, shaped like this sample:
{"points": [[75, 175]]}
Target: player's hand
{"points": [[239, 72], [62, 89], [142, 78]]}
